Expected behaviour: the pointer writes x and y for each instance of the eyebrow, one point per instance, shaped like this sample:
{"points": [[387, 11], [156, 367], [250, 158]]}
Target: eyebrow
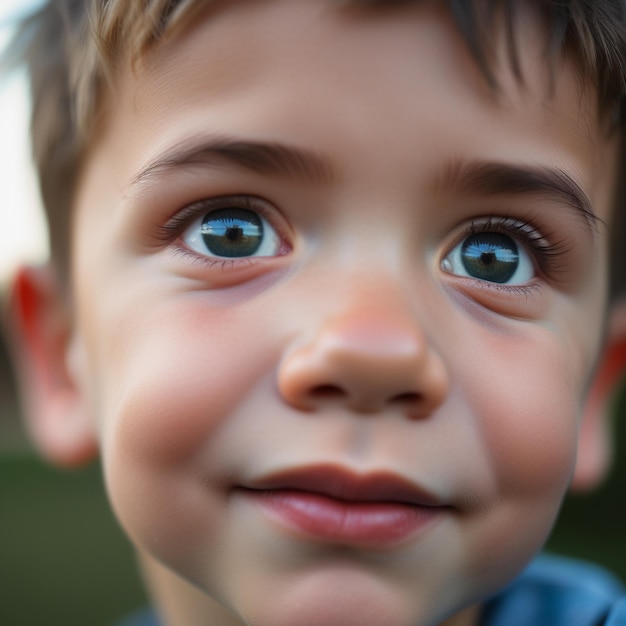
{"points": [[496, 178], [269, 158]]}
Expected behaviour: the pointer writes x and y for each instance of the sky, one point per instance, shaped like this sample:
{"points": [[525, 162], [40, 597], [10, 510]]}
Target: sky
{"points": [[22, 232]]}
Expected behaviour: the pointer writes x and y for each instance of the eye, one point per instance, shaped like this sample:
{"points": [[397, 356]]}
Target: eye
{"points": [[232, 232], [492, 257]]}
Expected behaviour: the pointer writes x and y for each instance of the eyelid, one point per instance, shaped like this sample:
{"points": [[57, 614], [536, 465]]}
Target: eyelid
{"points": [[176, 224], [547, 254]]}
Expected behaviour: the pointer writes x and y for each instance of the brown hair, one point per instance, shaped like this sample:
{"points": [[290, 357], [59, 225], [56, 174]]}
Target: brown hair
{"points": [[72, 47]]}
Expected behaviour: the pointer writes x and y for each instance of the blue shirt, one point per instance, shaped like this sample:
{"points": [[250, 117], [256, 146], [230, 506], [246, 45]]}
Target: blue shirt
{"points": [[552, 591], [555, 591]]}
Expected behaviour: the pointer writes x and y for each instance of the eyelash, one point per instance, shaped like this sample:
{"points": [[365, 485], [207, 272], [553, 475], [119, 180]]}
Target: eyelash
{"points": [[174, 227], [548, 256]]}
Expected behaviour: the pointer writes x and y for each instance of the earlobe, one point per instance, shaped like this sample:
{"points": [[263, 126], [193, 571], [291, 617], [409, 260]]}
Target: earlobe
{"points": [[594, 444], [42, 343]]}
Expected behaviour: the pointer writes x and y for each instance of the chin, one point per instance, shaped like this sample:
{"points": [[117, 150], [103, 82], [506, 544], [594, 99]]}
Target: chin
{"points": [[354, 598]]}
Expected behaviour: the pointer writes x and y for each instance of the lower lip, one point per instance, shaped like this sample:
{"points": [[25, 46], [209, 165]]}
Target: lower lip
{"points": [[346, 522]]}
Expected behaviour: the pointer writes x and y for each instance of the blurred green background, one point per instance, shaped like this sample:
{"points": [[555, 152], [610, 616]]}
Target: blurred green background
{"points": [[64, 561]]}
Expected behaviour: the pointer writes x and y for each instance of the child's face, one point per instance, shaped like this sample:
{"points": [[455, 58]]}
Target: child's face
{"points": [[407, 316]]}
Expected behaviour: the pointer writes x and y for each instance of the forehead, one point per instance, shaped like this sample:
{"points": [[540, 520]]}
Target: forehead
{"points": [[491, 32], [224, 42], [282, 70]]}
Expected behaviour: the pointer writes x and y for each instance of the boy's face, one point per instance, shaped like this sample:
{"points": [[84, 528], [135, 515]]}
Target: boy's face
{"points": [[337, 303]]}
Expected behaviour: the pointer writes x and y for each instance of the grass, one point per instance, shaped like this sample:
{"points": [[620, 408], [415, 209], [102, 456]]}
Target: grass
{"points": [[63, 560]]}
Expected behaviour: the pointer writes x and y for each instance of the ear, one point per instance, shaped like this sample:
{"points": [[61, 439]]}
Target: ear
{"points": [[595, 450], [41, 339]]}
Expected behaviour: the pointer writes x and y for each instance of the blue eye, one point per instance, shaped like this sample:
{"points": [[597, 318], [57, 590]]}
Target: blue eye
{"points": [[492, 257], [232, 232]]}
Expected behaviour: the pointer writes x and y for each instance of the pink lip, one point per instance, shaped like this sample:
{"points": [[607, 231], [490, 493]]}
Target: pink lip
{"points": [[338, 506]]}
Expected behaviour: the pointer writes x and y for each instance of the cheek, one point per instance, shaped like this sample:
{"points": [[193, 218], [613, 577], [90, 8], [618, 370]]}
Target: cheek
{"points": [[175, 377], [527, 409], [524, 393], [174, 382]]}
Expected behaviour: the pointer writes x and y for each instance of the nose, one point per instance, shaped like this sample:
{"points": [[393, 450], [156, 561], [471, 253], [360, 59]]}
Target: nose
{"points": [[367, 361]]}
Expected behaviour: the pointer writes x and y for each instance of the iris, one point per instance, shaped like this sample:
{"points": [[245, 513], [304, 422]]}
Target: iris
{"points": [[493, 257], [232, 232]]}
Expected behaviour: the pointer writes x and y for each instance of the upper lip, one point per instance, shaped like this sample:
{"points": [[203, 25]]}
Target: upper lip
{"points": [[345, 484]]}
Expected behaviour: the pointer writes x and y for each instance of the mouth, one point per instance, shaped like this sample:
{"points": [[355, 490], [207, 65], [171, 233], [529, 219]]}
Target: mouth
{"points": [[335, 505]]}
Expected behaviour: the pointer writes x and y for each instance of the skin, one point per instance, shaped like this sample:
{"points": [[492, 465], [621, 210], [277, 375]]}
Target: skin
{"points": [[354, 344]]}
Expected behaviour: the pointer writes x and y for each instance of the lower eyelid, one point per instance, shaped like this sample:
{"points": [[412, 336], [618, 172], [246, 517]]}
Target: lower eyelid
{"points": [[223, 263], [526, 301], [212, 273]]}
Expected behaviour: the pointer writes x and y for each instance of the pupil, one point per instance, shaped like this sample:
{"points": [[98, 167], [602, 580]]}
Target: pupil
{"points": [[232, 232], [487, 257], [493, 257]]}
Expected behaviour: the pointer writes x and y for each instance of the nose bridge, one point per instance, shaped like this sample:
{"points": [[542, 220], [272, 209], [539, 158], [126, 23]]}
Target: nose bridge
{"points": [[376, 333], [368, 354]]}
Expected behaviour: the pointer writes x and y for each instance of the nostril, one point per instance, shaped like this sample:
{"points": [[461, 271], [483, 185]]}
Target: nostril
{"points": [[328, 392], [406, 398]]}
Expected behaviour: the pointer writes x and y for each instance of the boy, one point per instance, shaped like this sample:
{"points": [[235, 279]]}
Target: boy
{"points": [[329, 297]]}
